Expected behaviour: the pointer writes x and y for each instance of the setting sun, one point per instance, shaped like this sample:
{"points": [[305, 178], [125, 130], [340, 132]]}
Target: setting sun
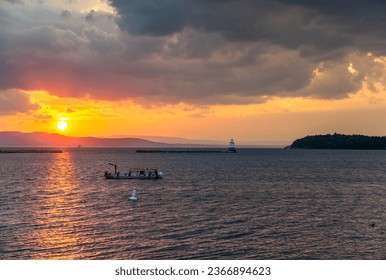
{"points": [[62, 125]]}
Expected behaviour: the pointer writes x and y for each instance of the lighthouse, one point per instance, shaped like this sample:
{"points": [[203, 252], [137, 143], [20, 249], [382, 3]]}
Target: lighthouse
{"points": [[232, 148]]}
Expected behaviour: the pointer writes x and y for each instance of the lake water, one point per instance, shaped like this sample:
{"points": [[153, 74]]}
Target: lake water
{"points": [[256, 204]]}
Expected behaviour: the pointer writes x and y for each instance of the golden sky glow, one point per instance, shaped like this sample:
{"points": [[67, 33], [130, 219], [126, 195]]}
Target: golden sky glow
{"points": [[279, 120]]}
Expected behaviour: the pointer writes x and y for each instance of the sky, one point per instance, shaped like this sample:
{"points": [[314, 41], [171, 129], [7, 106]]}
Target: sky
{"points": [[258, 71]]}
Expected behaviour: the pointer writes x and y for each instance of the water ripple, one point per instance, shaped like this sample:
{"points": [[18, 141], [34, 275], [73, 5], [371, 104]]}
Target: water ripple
{"points": [[256, 204]]}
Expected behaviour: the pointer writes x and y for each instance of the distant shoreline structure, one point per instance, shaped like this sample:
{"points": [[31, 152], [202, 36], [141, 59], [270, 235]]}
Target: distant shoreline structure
{"points": [[180, 151], [231, 149], [22, 151]]}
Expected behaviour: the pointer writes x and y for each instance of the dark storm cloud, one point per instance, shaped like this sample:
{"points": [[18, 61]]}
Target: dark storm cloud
{"points": [[316, 25], [237, 20], [246, 49], [153, 17], [364, 22], [193, 51], [342, 7]]}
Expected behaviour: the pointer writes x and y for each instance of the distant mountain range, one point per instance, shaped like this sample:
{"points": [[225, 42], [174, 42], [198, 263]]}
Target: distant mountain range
{"points": [[42, 139], [175, 140]]}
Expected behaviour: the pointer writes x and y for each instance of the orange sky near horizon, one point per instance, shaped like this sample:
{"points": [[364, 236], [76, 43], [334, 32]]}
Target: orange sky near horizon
{"points": [[277, 121]]}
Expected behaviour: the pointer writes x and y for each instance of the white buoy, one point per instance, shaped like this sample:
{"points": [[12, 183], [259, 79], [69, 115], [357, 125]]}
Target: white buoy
{"points": [[133, 195]]}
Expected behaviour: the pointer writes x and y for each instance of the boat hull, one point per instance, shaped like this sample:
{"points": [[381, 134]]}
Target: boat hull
{"points": [[152, 174], [124, 176]]}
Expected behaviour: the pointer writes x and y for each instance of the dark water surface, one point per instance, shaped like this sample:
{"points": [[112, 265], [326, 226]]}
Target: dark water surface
{"points": [[256, 204]]}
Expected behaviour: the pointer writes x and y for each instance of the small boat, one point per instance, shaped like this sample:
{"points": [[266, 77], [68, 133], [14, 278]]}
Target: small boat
{"points": [[135, 173]]}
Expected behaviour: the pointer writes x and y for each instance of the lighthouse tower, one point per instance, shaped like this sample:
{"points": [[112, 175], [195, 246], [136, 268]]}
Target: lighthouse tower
{"points": [[232, 148]]}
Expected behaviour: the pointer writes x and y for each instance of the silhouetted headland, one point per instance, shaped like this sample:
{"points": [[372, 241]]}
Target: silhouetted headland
{"points": [[340, 141]]}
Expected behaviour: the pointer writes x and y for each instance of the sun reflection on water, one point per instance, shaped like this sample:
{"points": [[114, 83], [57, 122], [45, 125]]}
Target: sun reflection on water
{"points": [[60, 212]]}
